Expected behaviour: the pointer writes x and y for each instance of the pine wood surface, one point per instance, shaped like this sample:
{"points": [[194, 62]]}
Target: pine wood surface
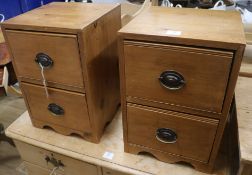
{"points": [[143, 121], [112, 141], [61, 48], [220, 29], [68, 17], [168, 27], [71, 166], [246, 67], [73, 104], [144, 62], [244, 112], [81, 40]]}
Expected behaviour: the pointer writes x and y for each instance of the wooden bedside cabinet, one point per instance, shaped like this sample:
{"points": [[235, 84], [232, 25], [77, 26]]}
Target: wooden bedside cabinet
{"points": [[178, 70], [65, 57]]}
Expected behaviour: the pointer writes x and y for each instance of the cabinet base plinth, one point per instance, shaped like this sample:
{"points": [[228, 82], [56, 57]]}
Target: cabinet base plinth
{"points": [[91, 137], [167, 157]]}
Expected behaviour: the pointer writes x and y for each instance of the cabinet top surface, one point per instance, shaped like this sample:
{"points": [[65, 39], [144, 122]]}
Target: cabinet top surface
{"points": [[60, 15], [187, 25]]}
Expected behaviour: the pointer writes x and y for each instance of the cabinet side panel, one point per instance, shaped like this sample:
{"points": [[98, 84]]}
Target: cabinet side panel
{"points": [[228, 101], [98, 47]]}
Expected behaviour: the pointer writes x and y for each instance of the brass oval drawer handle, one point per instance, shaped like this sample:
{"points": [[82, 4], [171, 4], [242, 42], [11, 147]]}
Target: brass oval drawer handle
{"points": [[172, 80], [44, 60], [55, 109], [166, 135]]}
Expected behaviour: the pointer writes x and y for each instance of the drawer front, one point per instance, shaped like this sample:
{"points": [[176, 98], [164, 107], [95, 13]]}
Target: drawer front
{"points": [[63, 108], [37, 170], [37, 156], [176, 133], [62, 63], [186, 77], [107, 171]]}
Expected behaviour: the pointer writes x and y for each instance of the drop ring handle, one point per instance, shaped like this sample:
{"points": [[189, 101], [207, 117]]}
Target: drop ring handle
{"points": [[55, 109], [166, 135], [44, 60], [171, 80]]}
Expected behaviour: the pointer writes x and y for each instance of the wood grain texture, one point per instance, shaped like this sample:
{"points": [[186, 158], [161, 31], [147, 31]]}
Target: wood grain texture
{"points": [[195, 135], [112, 141], [248, 37], [199, 27], [145, 62], [220, 46], [36, 156], [59, 17], [244, 112], [75, 107], [81, 38], [169, 158], [67, 131], [101, 71], [63, 50], [246, 67], [228, 101]]}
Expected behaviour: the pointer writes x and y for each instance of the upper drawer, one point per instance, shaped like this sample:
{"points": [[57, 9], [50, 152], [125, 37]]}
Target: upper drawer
{"points": [[181, 76], [62, 49], [63, 108]]}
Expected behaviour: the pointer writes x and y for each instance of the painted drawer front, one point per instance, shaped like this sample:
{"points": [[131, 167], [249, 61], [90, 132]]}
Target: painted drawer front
{"points": [[37, 170], [63, 108], [107, 171], [174, 75], [37, 156], [176, 133], [57, 52]]}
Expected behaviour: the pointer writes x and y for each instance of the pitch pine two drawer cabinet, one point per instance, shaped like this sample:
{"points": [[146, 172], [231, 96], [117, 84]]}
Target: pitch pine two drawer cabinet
{"points": [[65, 57], [178, 70]]}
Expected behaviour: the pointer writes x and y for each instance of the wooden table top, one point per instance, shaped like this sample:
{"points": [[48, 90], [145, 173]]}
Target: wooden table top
{"points": [[112, 141], [246, 67], [244, 117]]}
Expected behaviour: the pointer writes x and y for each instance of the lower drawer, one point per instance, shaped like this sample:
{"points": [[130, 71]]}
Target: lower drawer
{"points": [[36, 170], [176, 133], [38, 156], [62, 108]]}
